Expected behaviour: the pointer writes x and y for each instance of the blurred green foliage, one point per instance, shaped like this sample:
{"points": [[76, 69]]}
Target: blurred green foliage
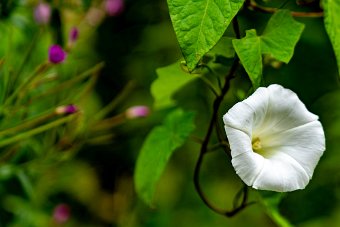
{"points": [[86, 160]]}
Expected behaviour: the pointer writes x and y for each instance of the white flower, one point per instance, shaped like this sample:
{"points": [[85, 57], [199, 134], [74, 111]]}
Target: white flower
{"points": [[275, 141]]}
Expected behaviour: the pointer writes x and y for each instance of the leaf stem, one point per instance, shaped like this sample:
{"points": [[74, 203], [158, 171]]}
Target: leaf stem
{"points": [[209, 84], [252, 5]]}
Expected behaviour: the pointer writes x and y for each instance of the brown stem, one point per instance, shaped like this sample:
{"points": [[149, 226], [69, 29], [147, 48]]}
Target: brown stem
{"points": [[252, 5], [204, 148]]}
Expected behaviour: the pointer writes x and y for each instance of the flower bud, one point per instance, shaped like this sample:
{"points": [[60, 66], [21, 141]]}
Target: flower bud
{"points": [[69, 109], [137, 111], [56, 54], [42, 13], [61, 213], [114, 7], [73, 36]]}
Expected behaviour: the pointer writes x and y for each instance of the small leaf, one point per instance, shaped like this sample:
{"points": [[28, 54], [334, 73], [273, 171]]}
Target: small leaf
{"points": [[248, 50], [199, 24], [278, 39], [281, 35], [170, 79], [332, 23], [159, 145]]}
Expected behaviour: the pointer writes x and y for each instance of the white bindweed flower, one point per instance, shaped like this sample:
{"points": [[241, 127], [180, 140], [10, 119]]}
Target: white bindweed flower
{"points": [[275, 141]]}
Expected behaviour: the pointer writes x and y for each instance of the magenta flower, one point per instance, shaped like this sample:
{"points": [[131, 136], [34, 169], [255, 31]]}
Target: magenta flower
{"points": [[56, 54], [68, 109], [61, 213], [73, 36], [137, 111], [114, 7], [42, 13]]}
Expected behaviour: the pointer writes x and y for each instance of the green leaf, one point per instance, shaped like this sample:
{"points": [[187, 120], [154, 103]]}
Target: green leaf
{"points": [[199, 24], [332, 23], [157, 149], [248, 50], [170, 79], [278, 39], [281, 35]]}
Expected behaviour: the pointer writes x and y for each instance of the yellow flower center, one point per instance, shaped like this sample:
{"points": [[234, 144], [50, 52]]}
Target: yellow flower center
{"points": [[256, 144]]}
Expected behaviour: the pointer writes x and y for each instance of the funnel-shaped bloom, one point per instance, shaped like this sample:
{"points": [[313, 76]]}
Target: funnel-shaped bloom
{"points": [[275, 141]]}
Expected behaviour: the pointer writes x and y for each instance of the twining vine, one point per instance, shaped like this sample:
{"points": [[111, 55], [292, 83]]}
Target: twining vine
{"points": [[214, 123], [251, 5]]}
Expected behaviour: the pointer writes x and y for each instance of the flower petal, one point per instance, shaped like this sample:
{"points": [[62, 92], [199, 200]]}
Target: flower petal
{"points": [[239, 141], [259, 102], [244, 115], [281, 173], [240, 117], [305, 144], [285, 111], [248, 166]]}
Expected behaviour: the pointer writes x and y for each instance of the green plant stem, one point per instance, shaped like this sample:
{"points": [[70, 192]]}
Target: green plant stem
{"points": [[109, 123], [26, 57], [27, 124], [274, 214], [122, 95], [40, 69], [70, 82], [37, 130], [209, 84], [26, 183], [88, 87], [102, 139]]}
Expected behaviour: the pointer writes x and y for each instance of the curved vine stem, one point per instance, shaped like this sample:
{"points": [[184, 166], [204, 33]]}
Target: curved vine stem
{"points": [[204, 150], [204, 147], [251, 4]]}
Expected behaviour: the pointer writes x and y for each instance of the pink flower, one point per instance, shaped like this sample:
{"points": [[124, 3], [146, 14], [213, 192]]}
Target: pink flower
{"points": [[61, 213], [56, 54], [114, 7], [69, 109], [42, 13], [137, 111]]}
